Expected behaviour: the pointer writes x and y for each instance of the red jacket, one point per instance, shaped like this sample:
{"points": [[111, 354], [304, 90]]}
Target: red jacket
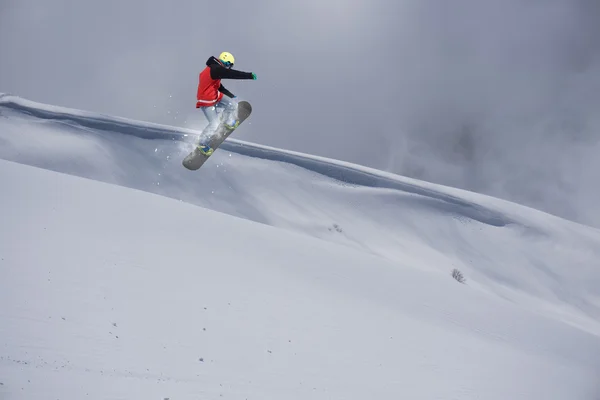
{"points": [[210, 89]]}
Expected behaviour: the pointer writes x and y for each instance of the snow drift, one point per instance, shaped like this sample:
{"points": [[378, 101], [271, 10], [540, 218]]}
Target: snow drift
{"points": [[342, 290]]}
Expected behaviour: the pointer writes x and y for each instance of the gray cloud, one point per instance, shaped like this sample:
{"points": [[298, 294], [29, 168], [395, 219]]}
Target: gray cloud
{"points": [[495, 96]]}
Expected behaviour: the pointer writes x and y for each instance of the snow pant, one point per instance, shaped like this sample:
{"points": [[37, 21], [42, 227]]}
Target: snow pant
{"points": [[226, 107]]}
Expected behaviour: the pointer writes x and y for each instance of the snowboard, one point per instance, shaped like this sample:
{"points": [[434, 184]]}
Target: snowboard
{"points": [[196, 159]]}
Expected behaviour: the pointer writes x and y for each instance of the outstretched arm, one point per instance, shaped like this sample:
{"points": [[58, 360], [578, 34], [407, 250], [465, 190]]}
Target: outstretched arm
{"points": [[220, 72]]}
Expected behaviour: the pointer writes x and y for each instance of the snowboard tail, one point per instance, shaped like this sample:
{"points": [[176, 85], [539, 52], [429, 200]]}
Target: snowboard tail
{"points": [[197, 157]]}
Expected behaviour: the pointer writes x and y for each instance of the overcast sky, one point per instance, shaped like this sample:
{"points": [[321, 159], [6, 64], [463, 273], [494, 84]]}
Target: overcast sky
{"points": [[496, 96]]}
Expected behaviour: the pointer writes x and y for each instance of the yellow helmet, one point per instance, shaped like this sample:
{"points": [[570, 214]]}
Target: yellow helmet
{"points": [[227, 58]]}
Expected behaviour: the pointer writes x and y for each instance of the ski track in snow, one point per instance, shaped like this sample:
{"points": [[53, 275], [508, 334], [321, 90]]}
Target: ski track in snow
{"points": [[363, 261]]}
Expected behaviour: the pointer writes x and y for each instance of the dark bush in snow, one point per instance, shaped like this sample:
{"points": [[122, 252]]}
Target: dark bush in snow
{"points": [[456, 274]]}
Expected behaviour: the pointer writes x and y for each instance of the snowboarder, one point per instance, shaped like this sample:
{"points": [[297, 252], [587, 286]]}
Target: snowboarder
{"points": [[211, 94]]}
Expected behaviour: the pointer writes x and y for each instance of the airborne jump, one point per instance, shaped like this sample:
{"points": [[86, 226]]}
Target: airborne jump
{"points": [[223, 114]]}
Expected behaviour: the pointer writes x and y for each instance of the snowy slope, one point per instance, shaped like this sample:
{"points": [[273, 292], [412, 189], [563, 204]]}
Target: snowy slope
{"points": [[341, 291], [115, 293], [520, 254]]}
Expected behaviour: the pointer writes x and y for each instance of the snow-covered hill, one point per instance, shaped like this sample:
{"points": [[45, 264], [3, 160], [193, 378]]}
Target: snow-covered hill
{"points": [[315, 278]]}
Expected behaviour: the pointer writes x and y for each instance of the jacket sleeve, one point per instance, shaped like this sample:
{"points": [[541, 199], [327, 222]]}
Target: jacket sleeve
{"points": [[226, 92], [220, 72]]}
